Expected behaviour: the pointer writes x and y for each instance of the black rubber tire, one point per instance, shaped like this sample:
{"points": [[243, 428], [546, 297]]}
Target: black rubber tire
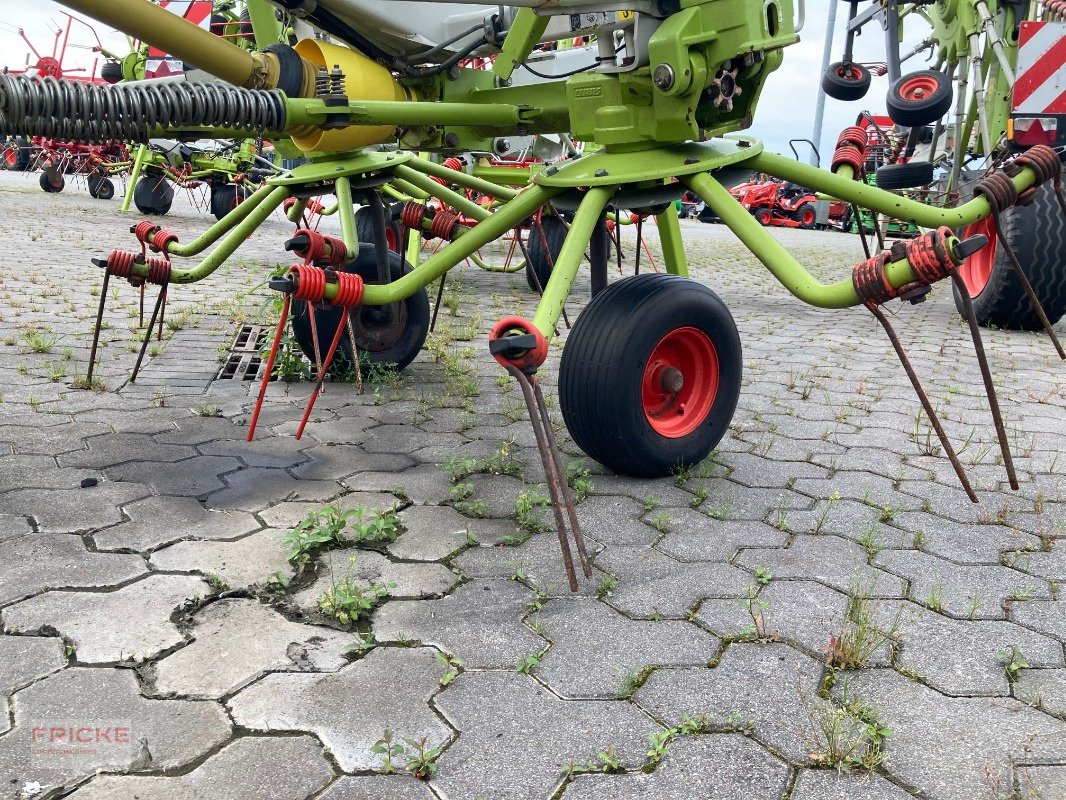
{"points": [[47, 184], [396, 351], [111, 71], [364, 227], [101, 188], [762, 215], [840, 87], [799, 213], [246, 30], [23, 154], [153, 194], [1037, 233], [905, 176], [602, 369], [225, 198], [912, 113], [542, 258]]}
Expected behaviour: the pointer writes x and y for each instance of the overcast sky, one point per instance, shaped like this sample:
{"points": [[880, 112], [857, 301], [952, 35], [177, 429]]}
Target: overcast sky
{"points": [[786, 110]]}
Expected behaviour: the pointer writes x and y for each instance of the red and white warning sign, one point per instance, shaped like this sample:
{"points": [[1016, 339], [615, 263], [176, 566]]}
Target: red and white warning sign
{"points": [[1040, 86], [198, 12]]}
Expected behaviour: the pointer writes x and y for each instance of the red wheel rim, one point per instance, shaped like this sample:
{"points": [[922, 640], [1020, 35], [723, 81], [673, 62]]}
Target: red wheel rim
{"points": [[808, 217], [390, 240], [917, 88], [680, 382], [977, 269], [764, 217], [11, 156], [849, 72]]}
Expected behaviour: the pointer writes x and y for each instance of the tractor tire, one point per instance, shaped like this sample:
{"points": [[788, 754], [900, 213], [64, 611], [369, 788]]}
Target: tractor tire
{"points": [[905, 176], [47, 184], [806, 215], [101, 188], [762, 215], [920, 98], [380, 341], [650, 375], [153, 195], [364, 228], [1037, 233], [544, 245], [846, 81], [111, 71], [225, 198]]}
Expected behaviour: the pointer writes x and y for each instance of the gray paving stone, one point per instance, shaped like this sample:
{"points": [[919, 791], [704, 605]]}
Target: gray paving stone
{"points": [[517, 736], [480, 623], [73, 510], [1046, 783], [432, 533], [38, 472], [256, 488], [834, 561], [971, 735], [539, 559], [955, 586], [192, 477], [378, 787], [160, 734], [769, 687], [37, 562], [12, 525], [1045, 688], [820, 784], [424, 484], [963, 542], [717, 767], [156, 521], [117, 448], [1045, 616], [350, 429], [366, 567], [240, 563], [270, 452], [250, 768], [652, 583], [145, 420], [696, 537], [342, 713], [50, 440], [243, 639], [99, 624], [334, 462], [1051, 566], [595, 650], [290, 514], [615, 519], [24, 659]]}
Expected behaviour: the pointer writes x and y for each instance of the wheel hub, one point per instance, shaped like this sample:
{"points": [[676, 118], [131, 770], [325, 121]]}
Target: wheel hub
{"points": [[680, 382]]}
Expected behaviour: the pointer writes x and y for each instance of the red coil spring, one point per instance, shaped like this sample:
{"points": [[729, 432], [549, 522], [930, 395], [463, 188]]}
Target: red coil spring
{"points": [[120, 264], [998, 189], [310, 283], [855, 136], [162, 239], [349, 290], [158, 270], [143, 230], [847, 154], [451, 163], [443, 225], [412, 215], [929, 256], [871, 284], [1045, 162]]}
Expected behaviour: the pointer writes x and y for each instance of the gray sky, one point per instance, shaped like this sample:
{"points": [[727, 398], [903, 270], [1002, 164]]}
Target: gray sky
{"points": [[785, 111]]}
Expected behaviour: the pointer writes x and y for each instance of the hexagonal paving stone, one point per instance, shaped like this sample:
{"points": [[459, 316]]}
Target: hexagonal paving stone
{"points": [[770, 687], [1046, 688], [289, 514], [117, 448], [250, 768], [834, 561], [539, 559], [1047, 783], [250, 560], [616, 519], [51, 440], [699, 538], [12, 525], [378, 787], [24, 659], [596, 650], [244, 639], [73, 510], [152, 735], [156, 521], [192, 477], [420, 484], [1045, 616], [255, 489], [334, 462], [517, 737], [820, 784], [431, 533], [480, 623], [712, 767], [99, 624], [37, 562], [974, 737], [350, 710], [366, 567]]}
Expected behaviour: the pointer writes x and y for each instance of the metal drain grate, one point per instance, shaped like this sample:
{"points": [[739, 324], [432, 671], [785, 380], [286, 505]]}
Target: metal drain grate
{"points": [[243, 362]]}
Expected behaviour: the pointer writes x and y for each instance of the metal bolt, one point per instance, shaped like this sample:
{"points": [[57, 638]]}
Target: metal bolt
{"points": [[671, 380], [551, 170], [691, 160], [663, 77], [601, 173], [451, 140]]}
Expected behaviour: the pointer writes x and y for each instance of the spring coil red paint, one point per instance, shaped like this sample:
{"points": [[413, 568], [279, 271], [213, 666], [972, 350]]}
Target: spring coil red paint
{"points": [[412, 215], [1044, 161], [120, 263], [162, 239], [444, 224], [871, 284], [930, 257], [310, 283], [451, 163], [848, 155], [854, 136], [998, 189], [349, 290]]}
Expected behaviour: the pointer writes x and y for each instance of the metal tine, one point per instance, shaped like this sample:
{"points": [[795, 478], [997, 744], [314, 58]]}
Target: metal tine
{"points": [[160, 300]]}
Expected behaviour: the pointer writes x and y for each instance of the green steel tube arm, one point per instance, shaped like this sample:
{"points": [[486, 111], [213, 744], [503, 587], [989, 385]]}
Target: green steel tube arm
{"points": [[216, 231], [470, 181], [431, 187], [343, 189]]}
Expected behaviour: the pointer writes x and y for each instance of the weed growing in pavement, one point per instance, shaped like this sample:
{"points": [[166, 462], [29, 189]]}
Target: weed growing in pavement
{"points": [[847, 735], [632, 681], [451, 668], [529, 511], [607, 585], [325, 528], [40, 342], [690, 726], [527, 663], [579, 478], [860, 636], [1013, 662], [661, 522], [935, 600], [756, 608], [348, 602]]}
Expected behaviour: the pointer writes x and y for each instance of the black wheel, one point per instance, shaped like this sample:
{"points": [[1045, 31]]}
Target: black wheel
{"points": [[762, 215], [544, 245], [650, 375], [17, 155], [364, 228], [101, 188], [153, 194], [48, 186], [806, 215], [111, 71], [381, 338], [225, 198], [1037, 233], [920, 98], [905, 176], [846, 81]]}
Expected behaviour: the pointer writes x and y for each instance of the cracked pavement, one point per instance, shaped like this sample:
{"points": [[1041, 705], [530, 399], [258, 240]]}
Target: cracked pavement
{"points": [[157, 604]]}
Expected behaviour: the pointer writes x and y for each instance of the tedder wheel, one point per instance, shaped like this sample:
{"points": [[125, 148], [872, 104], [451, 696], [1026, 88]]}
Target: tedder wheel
{"points": [[17, 155], [1037, 233], [920, 98], [650, 375], [225, 198], [390, 338], [153, 194], [543, 249], [806, 215], [111, 71], [846, 81], [101, 188], [48, 186], [364, 228], [905, 176]]}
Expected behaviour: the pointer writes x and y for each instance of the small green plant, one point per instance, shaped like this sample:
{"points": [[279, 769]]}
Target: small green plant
{"points": [[632, 681], [756, 608], [207, 410], [607, 585], [529, 511], [847, 736], [859, 637], [762, 575], [40, 342], [661, 522], [348, 602], [388, 749], [527, 663], [322, 529], [823, 516], [1013, 662], [216, 582], [420, 757], [651, 502], [935, 600], [578, 476], [606, 761], [451, 668]]}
